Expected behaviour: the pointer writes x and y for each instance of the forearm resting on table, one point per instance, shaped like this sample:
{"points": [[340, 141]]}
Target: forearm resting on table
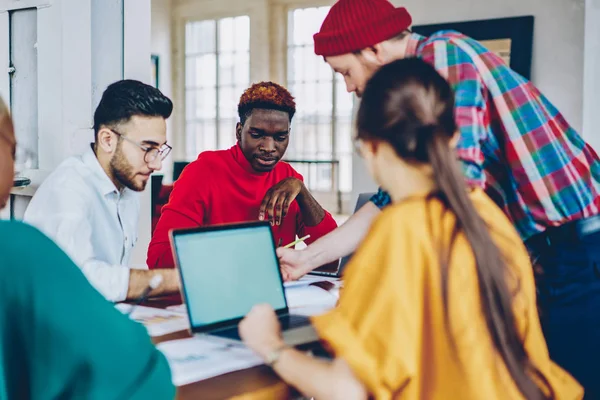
{"points": [[139, 279], [318, 378], [312, 212], [343, 240]]}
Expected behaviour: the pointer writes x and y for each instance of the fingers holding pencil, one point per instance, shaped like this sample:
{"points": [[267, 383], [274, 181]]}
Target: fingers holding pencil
{"points": [[295, 242]]}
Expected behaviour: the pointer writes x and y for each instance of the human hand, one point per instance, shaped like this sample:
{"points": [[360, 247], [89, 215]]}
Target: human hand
{"points": [[293, 264], [260, 330], [277, 200]]}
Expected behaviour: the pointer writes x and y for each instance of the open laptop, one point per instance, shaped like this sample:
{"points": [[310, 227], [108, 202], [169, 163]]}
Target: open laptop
{"points": [[336, 272], [227, 269]]}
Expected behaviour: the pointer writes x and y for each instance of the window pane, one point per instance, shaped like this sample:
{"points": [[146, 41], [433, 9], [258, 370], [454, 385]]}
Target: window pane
{"points": [[206, 103], [241, 27], [190, 72], [190, 105], [213, 68], [311, 81], [343, 99], [203, 37], [206, 71], [227, 133], [309, 63], [208, 136], [324, 100], [191, 149], [227, 103], [225, 69], [190, 43], [296, 65], [226, 33], [242, 69], [324, 141]]}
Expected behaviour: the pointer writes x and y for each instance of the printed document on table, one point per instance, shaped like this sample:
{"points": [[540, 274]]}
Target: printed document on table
{"points": [[202, 357], [157, 321], [302, 300]]}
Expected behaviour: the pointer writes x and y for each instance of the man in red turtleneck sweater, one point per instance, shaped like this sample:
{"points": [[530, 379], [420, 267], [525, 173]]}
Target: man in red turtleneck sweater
{"points": [[246, 182]]}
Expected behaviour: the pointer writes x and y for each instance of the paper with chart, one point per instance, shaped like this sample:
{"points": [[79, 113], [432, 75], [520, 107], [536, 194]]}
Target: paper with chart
{"points": [[157, 321], [202, 357]]}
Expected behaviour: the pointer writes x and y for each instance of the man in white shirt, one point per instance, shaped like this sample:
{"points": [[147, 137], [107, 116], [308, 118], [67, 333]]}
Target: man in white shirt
{"points": [[89, 205]]}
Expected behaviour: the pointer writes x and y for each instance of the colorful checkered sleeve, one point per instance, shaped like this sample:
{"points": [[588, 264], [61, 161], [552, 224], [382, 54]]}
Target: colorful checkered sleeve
{"points": [[512, 140], [470, 104]]}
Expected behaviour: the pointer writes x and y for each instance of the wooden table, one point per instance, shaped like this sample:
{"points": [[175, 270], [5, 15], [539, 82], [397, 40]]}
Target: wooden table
{"points": [[249, 384]]}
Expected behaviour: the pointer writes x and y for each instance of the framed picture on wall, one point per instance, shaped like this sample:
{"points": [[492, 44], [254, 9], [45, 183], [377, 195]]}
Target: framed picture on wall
{"points": [[154, 58], [510, 38]]}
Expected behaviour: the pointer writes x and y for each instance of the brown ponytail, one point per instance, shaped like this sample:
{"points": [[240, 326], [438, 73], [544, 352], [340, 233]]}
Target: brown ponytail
{"points": [[410, 106], [496, 299]]}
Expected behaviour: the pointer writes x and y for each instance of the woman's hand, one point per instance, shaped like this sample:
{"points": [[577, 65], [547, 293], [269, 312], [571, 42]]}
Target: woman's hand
{"points": [[260, 330]]}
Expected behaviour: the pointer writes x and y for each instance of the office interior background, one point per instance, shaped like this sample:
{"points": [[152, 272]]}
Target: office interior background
{"points": [[59, 56]]}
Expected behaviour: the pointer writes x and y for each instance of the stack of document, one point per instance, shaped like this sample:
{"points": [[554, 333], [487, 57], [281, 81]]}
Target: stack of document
{"points": [[158, 322], [202, 357]]}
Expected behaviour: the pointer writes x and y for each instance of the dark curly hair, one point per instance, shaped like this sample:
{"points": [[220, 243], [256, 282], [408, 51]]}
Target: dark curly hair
{"points": [[266, 96], [127, 98]]}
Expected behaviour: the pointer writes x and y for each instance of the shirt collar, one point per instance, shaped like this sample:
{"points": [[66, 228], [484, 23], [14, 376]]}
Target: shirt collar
{"points": [[242, 161], [102, 181], [414, 41]]}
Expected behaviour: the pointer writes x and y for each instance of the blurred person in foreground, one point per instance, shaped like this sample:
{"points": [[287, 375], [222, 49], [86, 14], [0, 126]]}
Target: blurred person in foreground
{"points": [[59, 338]]}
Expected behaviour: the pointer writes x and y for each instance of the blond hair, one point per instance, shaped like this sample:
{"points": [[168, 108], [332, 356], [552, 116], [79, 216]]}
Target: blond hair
{"points": [[7, 130]]}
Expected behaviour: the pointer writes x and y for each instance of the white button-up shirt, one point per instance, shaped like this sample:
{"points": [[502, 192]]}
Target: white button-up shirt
{"points": [[79, 207]]}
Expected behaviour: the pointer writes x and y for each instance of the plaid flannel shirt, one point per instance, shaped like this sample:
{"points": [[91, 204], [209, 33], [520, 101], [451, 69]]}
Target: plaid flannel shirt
{"points": [[513, 142]]}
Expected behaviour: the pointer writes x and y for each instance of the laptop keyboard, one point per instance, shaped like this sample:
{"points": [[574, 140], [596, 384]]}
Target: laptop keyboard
{"points": [[287, 322], [292, 321]]}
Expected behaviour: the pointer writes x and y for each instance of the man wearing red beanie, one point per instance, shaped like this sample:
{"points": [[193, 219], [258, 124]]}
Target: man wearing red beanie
{"points": [[514, 143]]}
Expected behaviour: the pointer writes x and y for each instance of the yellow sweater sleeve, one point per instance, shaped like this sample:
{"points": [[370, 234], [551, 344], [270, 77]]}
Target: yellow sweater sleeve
{"points": [[376, 327]]}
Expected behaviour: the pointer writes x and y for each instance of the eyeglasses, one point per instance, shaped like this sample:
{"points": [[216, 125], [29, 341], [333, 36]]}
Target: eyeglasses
{"points": [[152, 153]]}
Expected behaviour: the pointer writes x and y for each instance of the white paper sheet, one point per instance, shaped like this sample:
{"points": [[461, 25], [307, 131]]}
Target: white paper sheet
{"points": [[157, 321], [202, 357], [179, 308], [303, 296], [302, 299]]}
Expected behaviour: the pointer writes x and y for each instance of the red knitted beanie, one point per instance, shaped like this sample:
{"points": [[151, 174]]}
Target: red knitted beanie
{"points": [[353, 25]]}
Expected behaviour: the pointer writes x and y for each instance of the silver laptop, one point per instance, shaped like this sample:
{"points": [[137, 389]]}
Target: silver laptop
{"points": [[363, 198], [225, 270]]}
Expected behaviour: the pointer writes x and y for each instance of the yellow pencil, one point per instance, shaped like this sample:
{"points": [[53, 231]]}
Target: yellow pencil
{"points": [[295, 242]]}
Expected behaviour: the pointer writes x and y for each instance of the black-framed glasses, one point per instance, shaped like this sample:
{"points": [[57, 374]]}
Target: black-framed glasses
{"points": [[152, 153]]}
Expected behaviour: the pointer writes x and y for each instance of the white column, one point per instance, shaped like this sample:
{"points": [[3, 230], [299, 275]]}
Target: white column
{"points": [[591, 71], [137, 43], [107, 46]]}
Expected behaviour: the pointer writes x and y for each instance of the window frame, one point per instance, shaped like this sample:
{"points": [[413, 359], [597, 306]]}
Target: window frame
{"points": [[218, 138]]}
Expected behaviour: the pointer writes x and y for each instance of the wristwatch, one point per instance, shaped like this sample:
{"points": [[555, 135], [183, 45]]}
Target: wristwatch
{"points": [[275, 354]]}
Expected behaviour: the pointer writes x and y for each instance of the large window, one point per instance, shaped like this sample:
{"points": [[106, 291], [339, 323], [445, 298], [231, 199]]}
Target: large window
{"points": [[321, 132], [217, 71]]}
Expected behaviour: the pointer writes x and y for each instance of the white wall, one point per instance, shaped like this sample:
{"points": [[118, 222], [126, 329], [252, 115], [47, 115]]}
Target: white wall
{"points": [[591, 91], [558, 49], [161, 45], [82, 46]]}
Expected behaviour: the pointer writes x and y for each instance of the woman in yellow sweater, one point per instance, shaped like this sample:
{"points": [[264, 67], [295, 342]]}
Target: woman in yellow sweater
{"points": [[439, 301]]}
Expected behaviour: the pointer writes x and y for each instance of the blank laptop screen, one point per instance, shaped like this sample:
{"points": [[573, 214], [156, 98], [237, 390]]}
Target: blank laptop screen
{"points": [[226, 272]]}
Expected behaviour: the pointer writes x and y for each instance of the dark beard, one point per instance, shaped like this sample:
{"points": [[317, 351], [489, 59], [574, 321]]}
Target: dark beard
{"points": [[123, 171]]}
